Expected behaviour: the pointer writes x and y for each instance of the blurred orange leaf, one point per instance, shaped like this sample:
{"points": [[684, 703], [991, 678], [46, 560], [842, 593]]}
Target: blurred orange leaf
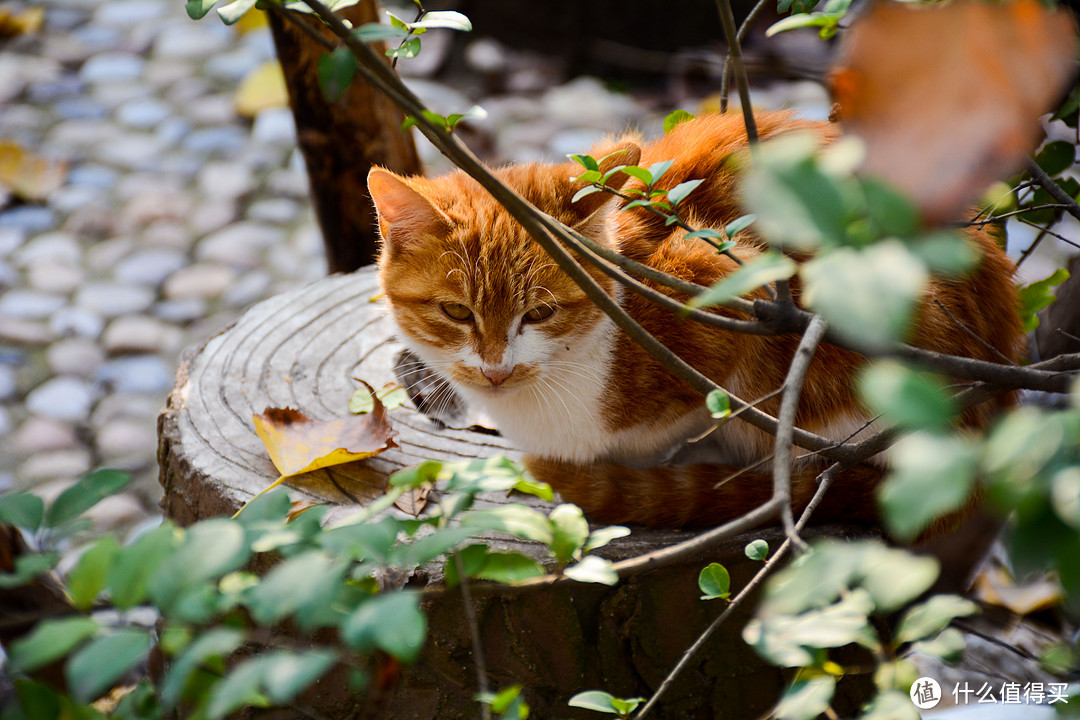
{"points": [[994, 586], [262, 88], [947, 97], [28, 176]]}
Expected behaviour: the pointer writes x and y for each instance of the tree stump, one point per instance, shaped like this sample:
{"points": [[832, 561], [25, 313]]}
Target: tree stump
{"points": [[303, 349]]}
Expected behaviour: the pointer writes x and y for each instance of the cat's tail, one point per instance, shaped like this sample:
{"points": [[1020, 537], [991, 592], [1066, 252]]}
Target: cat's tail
{"points": [[673, 496]]}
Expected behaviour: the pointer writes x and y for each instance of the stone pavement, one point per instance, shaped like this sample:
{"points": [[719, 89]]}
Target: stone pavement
{"points": [[176, 212]]}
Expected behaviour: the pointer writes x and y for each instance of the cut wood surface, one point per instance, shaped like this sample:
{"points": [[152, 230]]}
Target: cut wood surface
{"points": [[304, 350]]}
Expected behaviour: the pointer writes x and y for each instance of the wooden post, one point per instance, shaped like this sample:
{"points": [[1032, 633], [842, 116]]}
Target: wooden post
{"points": [[341, 141]]}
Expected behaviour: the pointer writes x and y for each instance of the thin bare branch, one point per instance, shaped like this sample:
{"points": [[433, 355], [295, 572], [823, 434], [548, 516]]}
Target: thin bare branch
{"points": [[739, 37], [972, 334], [727, 20], [789, 404], [825, 480], [1054, 189], [474, 636]]}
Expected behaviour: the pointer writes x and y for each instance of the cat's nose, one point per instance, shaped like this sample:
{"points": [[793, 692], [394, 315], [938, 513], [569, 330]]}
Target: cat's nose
{"points": [[497, 375]]}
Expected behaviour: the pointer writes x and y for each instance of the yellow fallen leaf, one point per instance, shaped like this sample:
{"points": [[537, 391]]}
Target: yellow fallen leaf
{"points": [[27, 22], [262, 88], [297, 444], [995, 586], [26, 175], [947, 97]]}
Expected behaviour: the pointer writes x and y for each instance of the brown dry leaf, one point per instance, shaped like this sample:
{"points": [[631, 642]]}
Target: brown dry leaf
{"points": [[298, 444], [995, 586], [262, 88], [299, 507], [947, 97], [27, 22], [28, 176], [413, 501]]}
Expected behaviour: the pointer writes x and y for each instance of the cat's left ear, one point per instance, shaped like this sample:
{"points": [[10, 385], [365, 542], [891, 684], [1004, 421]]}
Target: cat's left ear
{"points": [[592, 208], [405, 216]]}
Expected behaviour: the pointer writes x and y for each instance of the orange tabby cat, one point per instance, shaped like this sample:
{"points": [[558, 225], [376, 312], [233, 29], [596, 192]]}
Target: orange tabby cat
{"points": [[485, 308]]}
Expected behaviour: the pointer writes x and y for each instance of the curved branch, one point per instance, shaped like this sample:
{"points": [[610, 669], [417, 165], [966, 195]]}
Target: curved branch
{"points": [[815, 331], [1055, 190]]}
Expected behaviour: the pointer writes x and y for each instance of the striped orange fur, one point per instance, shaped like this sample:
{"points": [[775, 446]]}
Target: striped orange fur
{"points": [[485, 308]]}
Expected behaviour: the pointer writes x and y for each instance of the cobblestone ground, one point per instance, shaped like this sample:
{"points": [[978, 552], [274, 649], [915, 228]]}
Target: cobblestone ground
{"points": [[176, 213]]}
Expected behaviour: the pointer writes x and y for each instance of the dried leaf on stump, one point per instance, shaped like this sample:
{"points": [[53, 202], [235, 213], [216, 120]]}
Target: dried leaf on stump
{"points": [[27, 22], [299, 507], [995, 586], [947, 97], [297, 444], [413, 501]]}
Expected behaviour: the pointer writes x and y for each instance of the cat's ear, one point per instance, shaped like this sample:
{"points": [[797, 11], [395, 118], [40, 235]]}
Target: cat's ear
{"points": [[623, 153], [405, 216]]}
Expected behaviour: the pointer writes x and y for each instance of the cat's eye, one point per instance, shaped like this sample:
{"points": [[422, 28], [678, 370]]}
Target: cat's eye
{"points": [[456, 311], [538, 313]]}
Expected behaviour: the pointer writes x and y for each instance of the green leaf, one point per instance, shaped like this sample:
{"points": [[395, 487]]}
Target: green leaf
{"points": [[507, 567], [824, 21], [448, 19], [28, 567], [638, 172], [894, 577], [473, 558], [868, 296], [676, 118], [417, 475], [1037, 295], [235, 10], [133, 565], [286, 674], [507, 701], [1065, 495], [474, 113], [408, 49], [518, 520], [949, 645], [593, 569], [50, 640], [657, 170], [35, 702], [931, 476], [892, 213], [1056, 157], [786, 640], [806, 699], [391, 622], [929, 618], [570, 530], [210, 549], [906, 398], [85, 494], [196, 9], [945, 253], [24, 510], [891, 705], [757, 550], [718, 404], [217, 642], [797, 204], [531, 486], [678, 193], [739, 224], [373, 541], [715, 583], [98, 666], [429, 547], [240, 688], [586, 161], [600, 538], [765, 268], [374, 32], [301, 582], [391, 397], [87, 579], [705, 233], [584, 192], [335, 71], [597, 700]]}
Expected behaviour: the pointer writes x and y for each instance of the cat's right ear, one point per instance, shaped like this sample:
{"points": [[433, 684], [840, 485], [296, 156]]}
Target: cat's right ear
{"points": [[405, 216]]}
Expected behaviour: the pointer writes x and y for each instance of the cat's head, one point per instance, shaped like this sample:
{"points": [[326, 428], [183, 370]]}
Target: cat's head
{"points": [[471, 292]]}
